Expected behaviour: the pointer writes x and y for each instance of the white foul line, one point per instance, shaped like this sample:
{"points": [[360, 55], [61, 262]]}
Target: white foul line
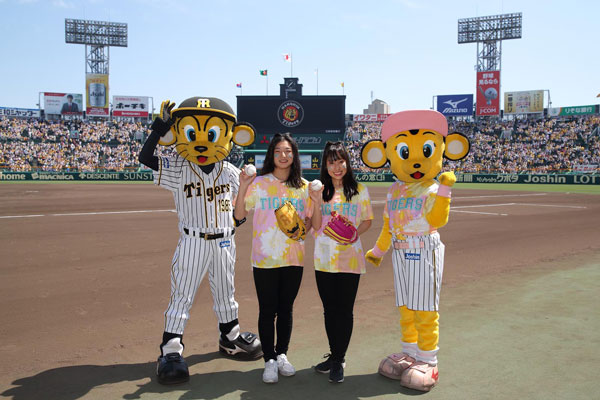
{"points": [[22, 216], [86, 213], [549, 205], [477, 212], [499, 195], [453, 209]]}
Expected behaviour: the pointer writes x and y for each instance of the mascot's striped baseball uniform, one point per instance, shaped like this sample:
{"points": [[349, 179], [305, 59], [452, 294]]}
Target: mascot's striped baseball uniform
{"points": [[204, 204], [414, 143], [204, 186], [418, 253]]}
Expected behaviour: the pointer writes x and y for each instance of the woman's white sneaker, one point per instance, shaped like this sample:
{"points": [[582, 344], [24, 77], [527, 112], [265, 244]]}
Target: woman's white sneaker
{"points": [[284, 366], [270, 374]]}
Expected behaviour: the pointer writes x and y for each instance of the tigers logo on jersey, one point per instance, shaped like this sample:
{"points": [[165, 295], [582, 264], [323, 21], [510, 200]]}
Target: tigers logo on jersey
{"points": [[205, 130]]}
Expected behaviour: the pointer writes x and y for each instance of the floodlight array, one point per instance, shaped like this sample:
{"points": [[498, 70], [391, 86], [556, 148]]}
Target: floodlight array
{"points": [[96, 33], [490, 28]]}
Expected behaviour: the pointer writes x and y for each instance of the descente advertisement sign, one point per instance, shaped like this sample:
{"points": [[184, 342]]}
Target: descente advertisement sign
{"points": [[558, 179], [76, 176]]}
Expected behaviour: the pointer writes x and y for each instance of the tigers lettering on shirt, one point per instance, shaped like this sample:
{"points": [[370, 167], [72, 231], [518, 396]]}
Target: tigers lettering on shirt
{"points": [[272, 203], [407, 206], [412, 203], [345, 209], [203, 201]]}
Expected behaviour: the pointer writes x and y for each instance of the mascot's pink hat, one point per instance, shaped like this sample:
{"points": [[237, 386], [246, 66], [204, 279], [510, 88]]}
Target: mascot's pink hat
{"points": [[414, 119]]}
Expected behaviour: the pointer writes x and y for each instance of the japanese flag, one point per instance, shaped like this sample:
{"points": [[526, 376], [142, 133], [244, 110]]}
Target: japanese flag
{"points": [[287, 57]]}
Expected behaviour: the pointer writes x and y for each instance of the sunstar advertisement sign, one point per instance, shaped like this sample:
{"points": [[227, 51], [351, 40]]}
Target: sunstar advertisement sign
{"points": [[455, 105]]}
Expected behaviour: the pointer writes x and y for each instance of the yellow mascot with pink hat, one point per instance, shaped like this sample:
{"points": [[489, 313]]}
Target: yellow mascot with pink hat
{"points": [[417, 205]]}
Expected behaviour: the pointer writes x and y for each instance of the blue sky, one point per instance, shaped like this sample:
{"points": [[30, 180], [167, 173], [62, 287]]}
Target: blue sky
{"points": [[404, 51]]}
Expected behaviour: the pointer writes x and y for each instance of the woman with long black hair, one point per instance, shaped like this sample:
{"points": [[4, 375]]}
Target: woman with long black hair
{"points": [[277, 260], [338, 266]]}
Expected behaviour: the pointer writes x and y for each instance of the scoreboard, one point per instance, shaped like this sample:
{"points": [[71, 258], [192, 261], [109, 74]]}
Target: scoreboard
{"points": [[312, 120]]}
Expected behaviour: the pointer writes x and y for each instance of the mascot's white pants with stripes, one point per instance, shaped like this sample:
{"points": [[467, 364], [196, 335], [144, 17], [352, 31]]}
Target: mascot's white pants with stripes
{"points": [[418, 263], [192, 259]]}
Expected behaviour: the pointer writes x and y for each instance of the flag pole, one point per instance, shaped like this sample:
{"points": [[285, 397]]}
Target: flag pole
{"points": [[317, 81], [291, 65], [267, 82]]}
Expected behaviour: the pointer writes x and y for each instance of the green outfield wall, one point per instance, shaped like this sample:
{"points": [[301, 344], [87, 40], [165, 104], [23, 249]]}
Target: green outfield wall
{"points": [[559, 179]]}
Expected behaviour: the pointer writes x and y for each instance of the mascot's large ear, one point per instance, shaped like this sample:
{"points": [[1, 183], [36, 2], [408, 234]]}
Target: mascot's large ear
{"points": [[169, 138], [243, 134], [457, 146], [373, 154]]}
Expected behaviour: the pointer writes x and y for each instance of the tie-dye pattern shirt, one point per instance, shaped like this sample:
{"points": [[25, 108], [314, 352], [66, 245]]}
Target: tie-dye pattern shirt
{"points": [[406, 206], [330, 256], [271, 248]]}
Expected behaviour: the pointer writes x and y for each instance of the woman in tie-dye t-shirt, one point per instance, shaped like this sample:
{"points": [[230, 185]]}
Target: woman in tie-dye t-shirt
{"points": [[277, 260], [339, 266]]}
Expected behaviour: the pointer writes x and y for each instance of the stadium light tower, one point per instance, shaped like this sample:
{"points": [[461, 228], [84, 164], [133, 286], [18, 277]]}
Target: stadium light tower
{"points": [[98, 37], [489, 31]]}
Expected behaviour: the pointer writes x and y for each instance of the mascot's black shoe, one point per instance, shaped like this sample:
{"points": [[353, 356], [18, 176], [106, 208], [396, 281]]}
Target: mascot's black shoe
{"points": [[247, 345], [172, 369]]}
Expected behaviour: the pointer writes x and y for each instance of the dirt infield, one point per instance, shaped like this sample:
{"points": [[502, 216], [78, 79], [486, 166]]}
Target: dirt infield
{"points": [[85, 281]]}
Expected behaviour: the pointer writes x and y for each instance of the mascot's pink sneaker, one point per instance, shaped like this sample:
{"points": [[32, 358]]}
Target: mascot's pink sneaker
{"points": [[395, 364], [420, 376]]}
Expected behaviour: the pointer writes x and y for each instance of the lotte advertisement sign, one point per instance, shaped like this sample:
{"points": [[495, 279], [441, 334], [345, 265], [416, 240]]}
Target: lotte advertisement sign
{"points": [[488, 93]]}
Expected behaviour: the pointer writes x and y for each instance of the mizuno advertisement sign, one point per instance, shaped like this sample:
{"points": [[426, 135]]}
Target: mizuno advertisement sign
{"points": [[455, 105]]}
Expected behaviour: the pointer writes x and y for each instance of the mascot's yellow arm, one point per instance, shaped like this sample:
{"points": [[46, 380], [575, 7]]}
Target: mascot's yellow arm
{"points": [[383, 243], [438, 216]]}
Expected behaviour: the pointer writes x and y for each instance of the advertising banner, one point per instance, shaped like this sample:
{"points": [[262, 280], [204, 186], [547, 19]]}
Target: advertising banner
{"points": [[454, 105], [96, 94], [63, 103], [558, 179], [370, 117], [19, 112], [130, 106], [525, 102], [567, 111], [488, 93]]}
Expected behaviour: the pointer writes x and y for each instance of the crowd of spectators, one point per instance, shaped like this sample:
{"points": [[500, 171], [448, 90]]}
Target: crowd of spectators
{"points": [[27, 145], [509, 146]]}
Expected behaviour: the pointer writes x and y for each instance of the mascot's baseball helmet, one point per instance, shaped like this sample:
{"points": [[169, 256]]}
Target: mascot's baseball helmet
{"points": [[204, 106]]}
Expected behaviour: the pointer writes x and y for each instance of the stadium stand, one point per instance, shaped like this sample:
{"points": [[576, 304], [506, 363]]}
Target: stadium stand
{"points": [[510, 146]]}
